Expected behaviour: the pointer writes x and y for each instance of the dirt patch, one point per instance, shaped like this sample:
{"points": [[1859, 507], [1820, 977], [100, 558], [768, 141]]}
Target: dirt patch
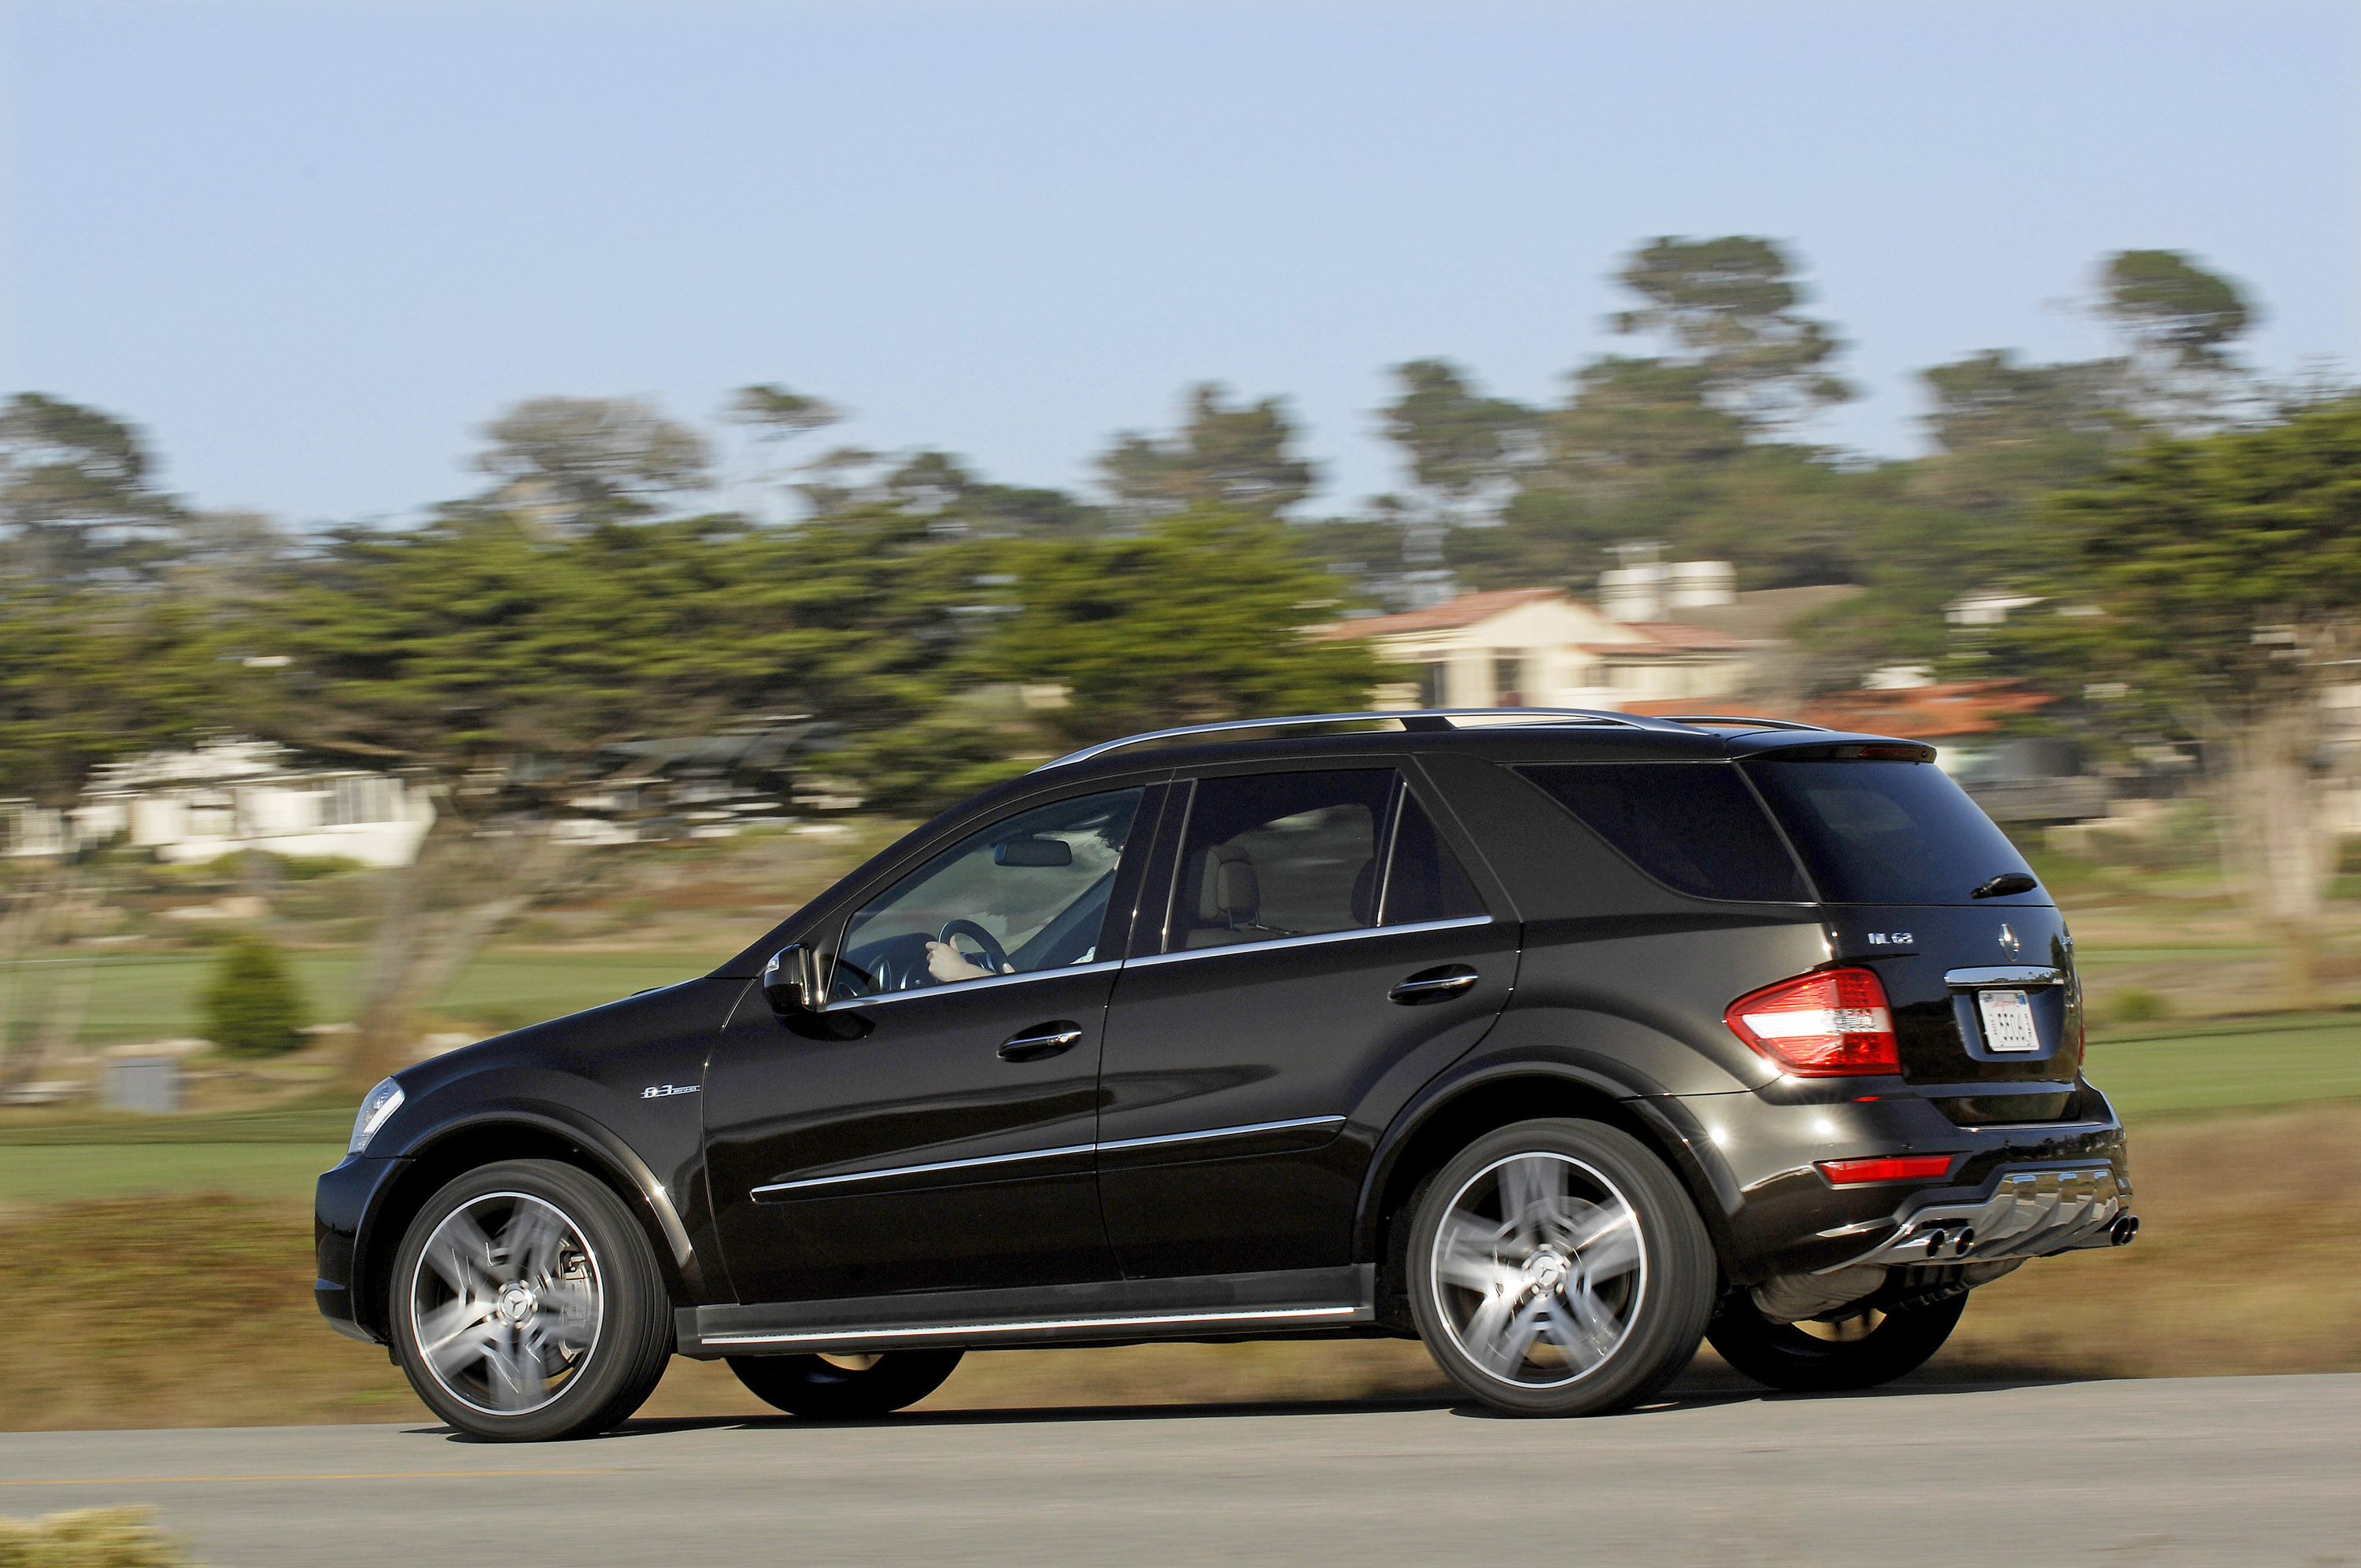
{"points": [[197, 1311]]}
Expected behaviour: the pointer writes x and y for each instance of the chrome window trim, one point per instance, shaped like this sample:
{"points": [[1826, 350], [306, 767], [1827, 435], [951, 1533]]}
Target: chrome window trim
{"points": [[920, 1170], [887, 998], [1033, 1325], [1240, 1131], [1357, 933]]}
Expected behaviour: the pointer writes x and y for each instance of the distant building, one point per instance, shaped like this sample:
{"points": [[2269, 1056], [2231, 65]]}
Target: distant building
{"points": [[229, 795]]}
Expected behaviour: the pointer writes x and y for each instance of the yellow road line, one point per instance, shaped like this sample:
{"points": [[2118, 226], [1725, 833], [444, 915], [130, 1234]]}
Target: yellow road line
{"points": [[347, 1476]]}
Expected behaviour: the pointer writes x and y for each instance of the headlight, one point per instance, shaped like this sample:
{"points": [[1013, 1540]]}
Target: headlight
{"points": [[382, 1101]]}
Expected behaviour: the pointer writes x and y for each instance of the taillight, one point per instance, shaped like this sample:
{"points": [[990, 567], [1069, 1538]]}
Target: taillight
{"points": [[1828, 1025], [1886, 1167]]}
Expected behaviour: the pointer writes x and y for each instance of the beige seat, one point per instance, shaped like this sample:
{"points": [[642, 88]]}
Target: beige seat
{"points": [[1229, 897]]}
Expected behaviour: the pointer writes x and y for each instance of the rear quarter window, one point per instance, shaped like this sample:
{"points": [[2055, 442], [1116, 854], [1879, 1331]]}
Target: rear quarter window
{"points": [[1875, 833], [1694, 827]]}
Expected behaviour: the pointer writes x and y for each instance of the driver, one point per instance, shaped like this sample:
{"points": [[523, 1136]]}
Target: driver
{"points": [[946, 964]]}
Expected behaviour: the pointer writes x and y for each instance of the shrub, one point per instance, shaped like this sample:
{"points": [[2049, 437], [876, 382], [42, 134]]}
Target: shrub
{"points": [[2137, 1006], [88, 1538], [252, 1008]]}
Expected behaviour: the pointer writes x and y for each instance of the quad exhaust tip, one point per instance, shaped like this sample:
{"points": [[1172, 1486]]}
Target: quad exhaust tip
{"points": [[2123, 1230]]}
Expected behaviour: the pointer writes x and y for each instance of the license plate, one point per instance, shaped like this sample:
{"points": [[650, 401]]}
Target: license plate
{"points": [[2008, 1021]]}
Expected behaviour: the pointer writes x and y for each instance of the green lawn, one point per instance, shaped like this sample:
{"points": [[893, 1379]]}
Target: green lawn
{"points": [[156, 998], [2188, 1071]]}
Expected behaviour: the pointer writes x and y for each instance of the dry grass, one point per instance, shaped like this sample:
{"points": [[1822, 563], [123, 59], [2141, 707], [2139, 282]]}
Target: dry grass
{"points": [[198, 1311]]}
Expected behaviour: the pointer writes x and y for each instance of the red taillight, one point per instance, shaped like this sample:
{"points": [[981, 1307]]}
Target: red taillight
{"points": [[1886, 1167], [1827, 1025]]}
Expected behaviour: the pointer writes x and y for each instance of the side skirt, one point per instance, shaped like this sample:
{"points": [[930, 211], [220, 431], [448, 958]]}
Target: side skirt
{"points": [[1197, 1307]]}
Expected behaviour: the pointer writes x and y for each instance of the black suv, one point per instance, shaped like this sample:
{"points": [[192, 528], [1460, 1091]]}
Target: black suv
{"points": [[1553, 1039]]}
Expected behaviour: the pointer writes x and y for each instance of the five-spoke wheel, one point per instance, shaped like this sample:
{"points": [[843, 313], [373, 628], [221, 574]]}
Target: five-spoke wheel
{"points": [[1558, 1268], [527, 1304]]}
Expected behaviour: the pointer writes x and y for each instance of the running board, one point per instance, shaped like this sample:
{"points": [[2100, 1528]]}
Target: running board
{"points": [[1196, 1307]]}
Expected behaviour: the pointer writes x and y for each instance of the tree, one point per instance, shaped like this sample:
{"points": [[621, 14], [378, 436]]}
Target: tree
{"points": [[252, 1007], [2178, 320], [1460, 443], [2218, 580], [90, 673], [1235, 457], [1205, 616], [572, 462], [1729, 305], [76, 496]]}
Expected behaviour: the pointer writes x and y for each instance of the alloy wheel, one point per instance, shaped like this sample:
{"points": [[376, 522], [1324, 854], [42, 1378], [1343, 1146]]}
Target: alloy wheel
{"points": [[506, 1303], [1539, 1270]]}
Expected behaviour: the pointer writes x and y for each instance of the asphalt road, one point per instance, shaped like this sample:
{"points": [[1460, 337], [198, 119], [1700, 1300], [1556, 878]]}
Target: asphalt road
{"points": [[2216, 1470]]}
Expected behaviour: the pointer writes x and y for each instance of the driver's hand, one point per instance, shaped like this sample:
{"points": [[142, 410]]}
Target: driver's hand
{"points": [[946, 963]]}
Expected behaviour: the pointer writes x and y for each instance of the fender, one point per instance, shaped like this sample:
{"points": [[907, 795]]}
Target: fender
{"points": [[1532, 1043]]}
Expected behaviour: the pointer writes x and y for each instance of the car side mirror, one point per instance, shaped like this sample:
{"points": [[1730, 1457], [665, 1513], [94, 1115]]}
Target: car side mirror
{"points": [[791, 981], [1033, 852]]}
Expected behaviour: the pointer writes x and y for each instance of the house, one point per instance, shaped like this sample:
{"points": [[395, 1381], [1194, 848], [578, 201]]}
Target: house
{"points": [[229, 795], [1542, 648]]}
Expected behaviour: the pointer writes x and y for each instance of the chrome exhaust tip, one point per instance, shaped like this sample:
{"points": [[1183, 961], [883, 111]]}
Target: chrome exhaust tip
{"points": [[2123, 1230]]}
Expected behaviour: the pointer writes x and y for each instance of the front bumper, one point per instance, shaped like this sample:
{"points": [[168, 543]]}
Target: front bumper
{"points": [[2019, 1213]]}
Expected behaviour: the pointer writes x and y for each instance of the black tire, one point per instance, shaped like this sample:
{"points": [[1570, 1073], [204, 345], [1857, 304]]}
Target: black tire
{"points": [[815, 1386], [1612, 1267], [1881, 1347], [542, 1299]]}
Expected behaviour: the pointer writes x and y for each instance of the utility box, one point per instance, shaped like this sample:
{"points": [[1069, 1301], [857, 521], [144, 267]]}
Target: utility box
{"points": [[149, 1084]]}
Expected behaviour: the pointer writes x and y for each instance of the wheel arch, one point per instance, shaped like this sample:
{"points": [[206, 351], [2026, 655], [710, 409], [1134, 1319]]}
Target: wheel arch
{"points": [[1426, 1136], [515, 1132]]}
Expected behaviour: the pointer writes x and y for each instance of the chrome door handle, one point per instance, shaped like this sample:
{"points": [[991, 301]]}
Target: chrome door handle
{"points": [[1434, 985], [1043, 1040]]}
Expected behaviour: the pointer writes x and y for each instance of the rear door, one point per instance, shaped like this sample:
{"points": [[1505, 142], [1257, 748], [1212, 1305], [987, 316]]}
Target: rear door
{"points": [[1311, 943]]}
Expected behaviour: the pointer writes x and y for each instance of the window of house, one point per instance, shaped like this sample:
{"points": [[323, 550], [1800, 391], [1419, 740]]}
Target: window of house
{"points": [[1508, 679], [1434, 685]]}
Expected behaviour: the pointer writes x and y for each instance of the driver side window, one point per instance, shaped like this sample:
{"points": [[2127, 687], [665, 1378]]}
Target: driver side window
{"points": [[1030, 893]]}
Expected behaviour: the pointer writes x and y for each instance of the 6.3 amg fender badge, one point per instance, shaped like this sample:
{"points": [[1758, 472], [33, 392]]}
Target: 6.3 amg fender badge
{"points": [[664, 1090]]}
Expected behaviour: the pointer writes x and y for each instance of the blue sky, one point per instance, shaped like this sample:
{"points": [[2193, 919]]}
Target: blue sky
{"points": [[311, 246]]}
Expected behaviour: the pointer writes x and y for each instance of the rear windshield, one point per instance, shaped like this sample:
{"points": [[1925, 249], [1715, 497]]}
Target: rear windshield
{"points": [[1885, 832], [1693, 825]]}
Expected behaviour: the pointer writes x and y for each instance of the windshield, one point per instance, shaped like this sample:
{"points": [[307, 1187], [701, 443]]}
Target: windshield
{"points": [[1885, 832]]}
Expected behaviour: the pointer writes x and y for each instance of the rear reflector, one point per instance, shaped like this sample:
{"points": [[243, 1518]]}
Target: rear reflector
{"points": [[1827, 1025], [1887, 1167]]}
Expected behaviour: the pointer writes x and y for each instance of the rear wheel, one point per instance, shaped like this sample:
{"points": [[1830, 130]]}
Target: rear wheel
{"points": [[1558, 1268], [1858, 1351], [840, 1387], [527, 1304]]}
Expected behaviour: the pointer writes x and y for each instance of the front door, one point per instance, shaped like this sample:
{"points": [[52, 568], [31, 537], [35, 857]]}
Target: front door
{"points": [[1322, 952], [948, 1147]]}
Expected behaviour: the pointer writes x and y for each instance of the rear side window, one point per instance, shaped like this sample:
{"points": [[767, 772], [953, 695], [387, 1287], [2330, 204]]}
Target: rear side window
{"points": [[1885, 832], [1277, 855], [1694, 827], [1426, 882]]}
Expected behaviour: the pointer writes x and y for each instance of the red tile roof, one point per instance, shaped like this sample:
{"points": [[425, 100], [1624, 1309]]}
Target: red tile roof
{"points": [[1670, 637], [1940, 711], [1464, 610]]}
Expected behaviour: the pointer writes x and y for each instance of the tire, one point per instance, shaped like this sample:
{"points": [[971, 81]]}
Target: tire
{"points": [[527, 1306], [818, 1387], [1558, 1268], [1865, 1351]]}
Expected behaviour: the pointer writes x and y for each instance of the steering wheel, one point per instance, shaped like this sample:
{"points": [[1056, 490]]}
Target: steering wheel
{"points": [[996, 956]]}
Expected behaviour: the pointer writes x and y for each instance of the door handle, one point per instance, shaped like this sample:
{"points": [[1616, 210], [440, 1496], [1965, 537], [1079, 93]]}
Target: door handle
{"points": [[1434, 985], [1041, 1040]]}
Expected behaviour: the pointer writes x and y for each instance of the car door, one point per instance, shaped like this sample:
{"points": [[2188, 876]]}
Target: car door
{"points": [[1316, 952], [947, 1146]]}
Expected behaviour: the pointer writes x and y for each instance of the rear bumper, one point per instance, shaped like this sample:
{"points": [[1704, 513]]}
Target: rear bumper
{"points": [[344, 1203], [1779, 1215], [2019, 1213]]}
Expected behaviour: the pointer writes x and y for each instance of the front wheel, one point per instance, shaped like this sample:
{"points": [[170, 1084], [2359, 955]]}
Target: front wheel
{"points": [[1558, 1268], [527, 1304], [842, 1386], [1861, 1351]]}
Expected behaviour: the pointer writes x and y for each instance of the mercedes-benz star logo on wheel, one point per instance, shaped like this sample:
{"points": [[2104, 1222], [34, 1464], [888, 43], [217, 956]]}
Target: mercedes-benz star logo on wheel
{"points": [[2008, 943]]}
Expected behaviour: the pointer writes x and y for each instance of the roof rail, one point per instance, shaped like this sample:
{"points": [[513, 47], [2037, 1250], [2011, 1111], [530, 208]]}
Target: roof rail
{"points": [[1741, 718], [1411, 719]]}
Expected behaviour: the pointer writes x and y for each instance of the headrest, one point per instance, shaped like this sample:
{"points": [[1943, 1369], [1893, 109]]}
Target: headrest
{"points": [[1230, 892]]}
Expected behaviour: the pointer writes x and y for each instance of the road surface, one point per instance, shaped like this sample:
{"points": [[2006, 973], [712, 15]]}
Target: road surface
{"points": [[2213, 1471]]}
